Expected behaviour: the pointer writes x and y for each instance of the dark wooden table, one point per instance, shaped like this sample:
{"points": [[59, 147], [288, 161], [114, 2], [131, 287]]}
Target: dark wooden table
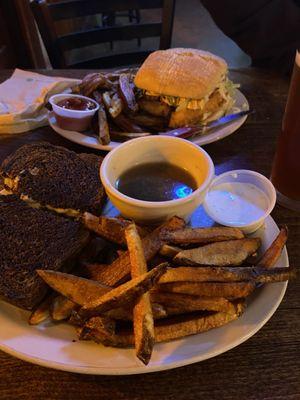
{"points": [[267, 366]]}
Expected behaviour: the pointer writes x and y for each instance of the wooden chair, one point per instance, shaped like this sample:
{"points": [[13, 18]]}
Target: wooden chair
{"points": [[47, 14]]}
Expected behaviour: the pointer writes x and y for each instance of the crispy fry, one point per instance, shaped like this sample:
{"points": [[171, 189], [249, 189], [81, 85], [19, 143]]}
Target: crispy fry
{"points": [[150, 121], [113, 103], [178, 303], [42, 311], [126, 93], [169, 251], [104, 326], [80, 290], [203, 235], [111, 229], [143, 324], [123, 294], [272, 254], [104, 137], [61, 308], [127, 125], [229, 290], [125, 314], [226, 274], [175, 328], [231, 252], [122, 136], [116, 272]]}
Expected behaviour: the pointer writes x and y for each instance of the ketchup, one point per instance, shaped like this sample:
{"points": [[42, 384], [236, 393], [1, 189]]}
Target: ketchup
{"points": [[77, 103]]}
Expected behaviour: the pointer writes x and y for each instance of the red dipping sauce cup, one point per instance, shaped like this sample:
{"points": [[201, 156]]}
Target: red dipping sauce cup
{"points": [[73, 119]]}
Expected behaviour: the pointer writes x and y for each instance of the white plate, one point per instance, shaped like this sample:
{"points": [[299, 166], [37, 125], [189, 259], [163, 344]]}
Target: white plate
{"points": [[51, 345], [91, 141]]}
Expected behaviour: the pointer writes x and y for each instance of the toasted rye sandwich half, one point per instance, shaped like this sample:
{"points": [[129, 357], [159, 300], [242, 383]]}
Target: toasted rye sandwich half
{"points": [[32, 239], [56, 178]]}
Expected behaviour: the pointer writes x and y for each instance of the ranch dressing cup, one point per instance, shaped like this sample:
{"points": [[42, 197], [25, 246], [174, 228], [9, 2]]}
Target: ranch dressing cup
{"points": [[241, 199]]}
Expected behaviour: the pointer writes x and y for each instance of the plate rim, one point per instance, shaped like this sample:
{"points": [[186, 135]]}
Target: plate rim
{"points": [[135, 370], [199, 140]]}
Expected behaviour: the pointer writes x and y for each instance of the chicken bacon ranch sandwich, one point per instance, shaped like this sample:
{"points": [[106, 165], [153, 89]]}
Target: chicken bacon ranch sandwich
{"points": [[187, 86]]}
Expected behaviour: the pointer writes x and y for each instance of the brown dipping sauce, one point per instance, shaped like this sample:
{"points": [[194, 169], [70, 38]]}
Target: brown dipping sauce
{"points": [[76, 103], [156, 182]]}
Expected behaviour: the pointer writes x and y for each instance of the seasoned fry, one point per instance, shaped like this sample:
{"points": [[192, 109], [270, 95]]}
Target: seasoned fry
{"points": [[143, 324], [127, 125], [104, 137], [229, 290], [116, 272], [169, 251], [101, 325], [176, 328], [202, 235], [61, 308], [123, 294], [226, 274], [125, 314], [112, 229], [126, 93], [42, 311], [231, 252], [122, 136], [149, 121], [272, 254], [178, 303], [80, 290]]}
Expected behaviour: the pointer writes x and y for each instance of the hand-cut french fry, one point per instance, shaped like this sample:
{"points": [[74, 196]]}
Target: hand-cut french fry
{"points": [[178, 303], [126, 93], [127, 125], [119, 270], [111, 229], [42, 311], [231, 252], [149, 121], [104, 137], [229, 290], [169, 251], [104, 326], [202, 235], [123, 136], [125, 313], [176, 328], [272, 254], [143, 324], [191, 325], [80, 290], [61, 308], [126, 293], [226, 274]]}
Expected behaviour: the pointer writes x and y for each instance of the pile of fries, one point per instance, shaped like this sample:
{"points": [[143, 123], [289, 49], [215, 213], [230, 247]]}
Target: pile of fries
{"points": [[136, 286], [122, 115]]}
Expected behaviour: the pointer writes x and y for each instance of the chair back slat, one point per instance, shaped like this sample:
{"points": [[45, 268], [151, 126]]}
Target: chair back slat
{"points": [[113, 60], [49, 16], [102, 35], [78, 8]]}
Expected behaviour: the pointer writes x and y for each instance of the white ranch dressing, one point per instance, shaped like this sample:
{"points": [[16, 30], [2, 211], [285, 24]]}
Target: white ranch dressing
{"points": [[237, 203]]}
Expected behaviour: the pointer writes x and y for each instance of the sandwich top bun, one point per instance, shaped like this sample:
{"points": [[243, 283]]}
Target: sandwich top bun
{"points": [[180, 72]]}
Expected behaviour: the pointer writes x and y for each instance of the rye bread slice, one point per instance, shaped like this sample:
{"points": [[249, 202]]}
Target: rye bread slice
{"points": [[32, 239], [55, 176]]}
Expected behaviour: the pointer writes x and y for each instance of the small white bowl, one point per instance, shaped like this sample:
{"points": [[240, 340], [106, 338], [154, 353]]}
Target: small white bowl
{"points": [[260, 184], [75, 120], [176, 151]]}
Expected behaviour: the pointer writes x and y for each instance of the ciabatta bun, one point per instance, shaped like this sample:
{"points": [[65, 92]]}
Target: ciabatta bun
{"points": [[180, 72]]}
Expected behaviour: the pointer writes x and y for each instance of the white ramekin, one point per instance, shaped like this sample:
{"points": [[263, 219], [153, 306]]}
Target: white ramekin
{"points": [[143, 150], [244, 176]]}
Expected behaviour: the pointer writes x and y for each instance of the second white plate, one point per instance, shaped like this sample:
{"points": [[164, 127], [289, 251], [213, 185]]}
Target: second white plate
{"points": [[218, 134]]}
